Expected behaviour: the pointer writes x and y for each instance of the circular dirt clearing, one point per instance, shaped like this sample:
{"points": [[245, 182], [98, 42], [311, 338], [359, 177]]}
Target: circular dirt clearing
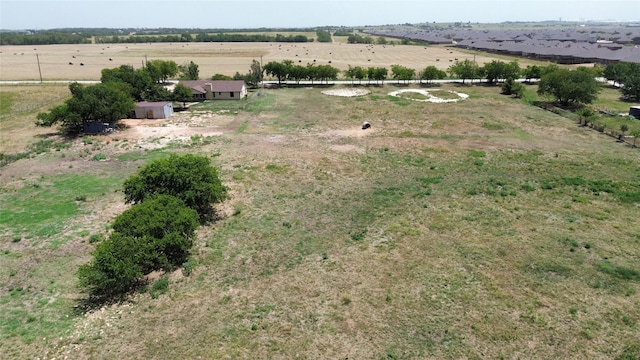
{"points": [[346, 92], [427, 96]]}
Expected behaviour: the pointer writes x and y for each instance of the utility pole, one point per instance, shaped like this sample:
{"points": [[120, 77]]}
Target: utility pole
{"points": [[39, 70]]}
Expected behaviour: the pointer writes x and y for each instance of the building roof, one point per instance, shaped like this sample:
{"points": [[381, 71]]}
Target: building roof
{"points": [[157, 103], [216, 85]]}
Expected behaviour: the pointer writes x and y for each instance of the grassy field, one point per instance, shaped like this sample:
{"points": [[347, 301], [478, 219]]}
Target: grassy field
{"points": [[486, 228]]}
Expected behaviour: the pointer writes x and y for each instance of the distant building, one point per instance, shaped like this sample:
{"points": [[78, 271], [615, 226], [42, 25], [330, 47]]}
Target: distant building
{"points": [[216, 89], [153, 110]]}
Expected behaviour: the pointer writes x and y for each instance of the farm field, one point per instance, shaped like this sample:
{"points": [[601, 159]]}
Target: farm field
{"points": [[483, 228], [63, 62]]}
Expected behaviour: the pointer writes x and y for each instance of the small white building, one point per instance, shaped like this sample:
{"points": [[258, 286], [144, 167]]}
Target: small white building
{"points": [[153, 110]]}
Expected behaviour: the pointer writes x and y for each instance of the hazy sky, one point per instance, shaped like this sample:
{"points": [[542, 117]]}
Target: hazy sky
{"points": [[50, 14]]}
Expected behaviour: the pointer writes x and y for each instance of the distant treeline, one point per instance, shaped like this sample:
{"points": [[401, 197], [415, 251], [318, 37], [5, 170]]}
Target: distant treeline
{"points": [[202, 37], [132, 36], [7, 38]]}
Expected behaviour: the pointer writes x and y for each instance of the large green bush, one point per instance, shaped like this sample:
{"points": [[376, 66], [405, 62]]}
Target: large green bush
{"points": [[190, 178], [117, 266], [166, 223], [153, 235]]}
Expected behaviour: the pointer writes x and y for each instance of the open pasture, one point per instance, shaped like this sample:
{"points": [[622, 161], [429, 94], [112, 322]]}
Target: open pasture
{"points": [[63, 62], [484, 228]]}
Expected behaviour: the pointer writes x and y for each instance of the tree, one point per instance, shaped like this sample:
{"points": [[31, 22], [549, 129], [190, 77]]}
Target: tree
{"points": [[585, 115], [431, 73], [297, 73], [569, 86], [466, 69], [312, 72], [359, 73], [377, 73], [402, 72], [512, 70], [349, 73], [624, 128], [636, 134], [532, 72], [255, 74], [190, 178], [182, 94], [326, 73], [157, 92], [277, 69], [323, 36], [631, 87], [138, 80], [512, 87], [189, 71], [108, 102], [161, 70], [494, 71], [221, 77]]}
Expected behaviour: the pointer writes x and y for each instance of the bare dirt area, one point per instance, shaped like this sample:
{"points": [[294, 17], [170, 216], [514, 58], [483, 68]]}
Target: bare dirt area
{"points": [[86, 61], [143, 131]]}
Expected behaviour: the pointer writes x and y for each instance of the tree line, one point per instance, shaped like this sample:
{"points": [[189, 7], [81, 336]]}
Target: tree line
{"points": [[202, 37], [44, 38]]}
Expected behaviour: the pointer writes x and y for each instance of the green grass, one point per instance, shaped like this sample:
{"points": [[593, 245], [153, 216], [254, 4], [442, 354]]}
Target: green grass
{"points": [[6, 100], [42, 207]]}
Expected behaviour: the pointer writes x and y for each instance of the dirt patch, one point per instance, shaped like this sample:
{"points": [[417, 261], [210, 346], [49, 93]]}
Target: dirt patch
{"points": [[151, 134], [346, 92], [347, 148], [429, 96], [357, 132]]}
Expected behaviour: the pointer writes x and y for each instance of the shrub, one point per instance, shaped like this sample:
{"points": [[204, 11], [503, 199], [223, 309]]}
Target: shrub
{"points": [[153, 235], [159, 287], [190, 178], [99, 157], [117, 266], [166, 223]]}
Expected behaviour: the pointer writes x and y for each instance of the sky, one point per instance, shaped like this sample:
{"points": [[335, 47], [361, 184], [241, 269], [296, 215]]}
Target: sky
{"points": [[52, 14]]}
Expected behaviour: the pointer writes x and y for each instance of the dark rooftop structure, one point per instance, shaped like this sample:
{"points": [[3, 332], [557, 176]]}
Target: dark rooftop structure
{"points": [[577, 45]]}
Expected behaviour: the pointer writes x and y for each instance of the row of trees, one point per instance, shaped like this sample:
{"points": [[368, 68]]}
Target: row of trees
{"points": [[170, 197], [202, 37], [287, 70], [566, 86], [44, 38]]}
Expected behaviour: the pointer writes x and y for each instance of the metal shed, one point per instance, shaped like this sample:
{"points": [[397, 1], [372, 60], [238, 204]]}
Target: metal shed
{"points": [[154, 110]]}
